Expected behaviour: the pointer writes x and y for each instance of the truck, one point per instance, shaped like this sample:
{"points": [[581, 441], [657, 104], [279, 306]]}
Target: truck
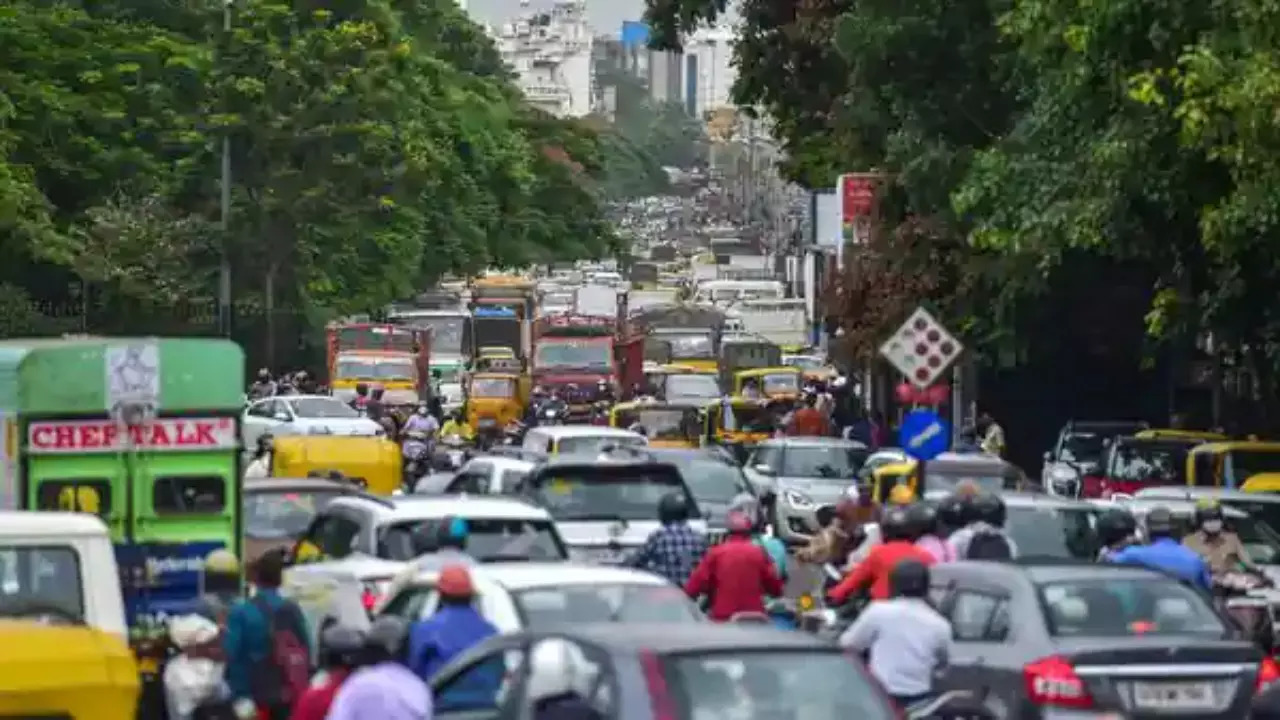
{"points": [[395, 357], [144, 433], [450, 344], [511, 292], [573, 349]]}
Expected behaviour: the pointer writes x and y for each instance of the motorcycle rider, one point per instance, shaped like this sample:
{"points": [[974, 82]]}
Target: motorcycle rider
{"points": [[1117, 530], [421, 420], [375, 408], [263, 387], [748, 505], [361, 400], [984, 537], [833, 543], [341, 648], [925, 526], [451, 630], [458, 427], [385, 687], [1163, 552], [675, 548], [737, 575], [537, 397], [900, 496], [1221, 549], [906, 640], [898, 544]]}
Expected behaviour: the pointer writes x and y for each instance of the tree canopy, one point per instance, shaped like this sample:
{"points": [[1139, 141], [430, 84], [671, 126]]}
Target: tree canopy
{"points": [[375, 145], [1058, 142]]}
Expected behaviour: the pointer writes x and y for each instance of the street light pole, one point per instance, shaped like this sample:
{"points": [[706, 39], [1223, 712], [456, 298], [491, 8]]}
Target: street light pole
{"points": [[224, 214]]}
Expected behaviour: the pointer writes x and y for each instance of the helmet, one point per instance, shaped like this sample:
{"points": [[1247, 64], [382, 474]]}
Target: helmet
{"points": [[266, 442], [558, 667], [951, 512], [341, 645], [909, 578], [923, 519], [264, 374], [672, 508], [1159, 523], [739, 523], [901, 495], [222, 561], [989, 508], [1116, 524], [895, 525], [453, 533], [747, 504], [455, 582], [1207, 509], [362, 388], [386, 637]]}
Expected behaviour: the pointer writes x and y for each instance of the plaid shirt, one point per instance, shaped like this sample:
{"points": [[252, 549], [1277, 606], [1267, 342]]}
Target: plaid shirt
{"points": [[672, 551]]}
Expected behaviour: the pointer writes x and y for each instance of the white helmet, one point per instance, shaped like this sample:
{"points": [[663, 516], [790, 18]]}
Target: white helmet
{"points": [[558, 667]]}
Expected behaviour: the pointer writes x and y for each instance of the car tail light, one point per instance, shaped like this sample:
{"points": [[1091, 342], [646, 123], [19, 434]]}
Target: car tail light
{"points": [[1268, 674], [1053, 681], [660, 700], [1092, 486], [369, 599]]}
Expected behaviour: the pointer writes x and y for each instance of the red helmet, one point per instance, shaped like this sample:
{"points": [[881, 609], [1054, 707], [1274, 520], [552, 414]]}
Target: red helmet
{"points": [[739, 523], [455, 581]]}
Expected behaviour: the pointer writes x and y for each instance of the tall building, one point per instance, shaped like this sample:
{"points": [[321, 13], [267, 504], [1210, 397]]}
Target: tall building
{"points": [[708, 71], [550, 53]]}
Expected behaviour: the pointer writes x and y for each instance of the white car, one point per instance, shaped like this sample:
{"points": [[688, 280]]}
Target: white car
{"points": [[490, 475], [579, 439], [303, 415], [517, 596]]}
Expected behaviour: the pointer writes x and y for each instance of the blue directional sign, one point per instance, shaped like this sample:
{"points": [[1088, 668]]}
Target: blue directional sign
{"points": [[924, 434]]}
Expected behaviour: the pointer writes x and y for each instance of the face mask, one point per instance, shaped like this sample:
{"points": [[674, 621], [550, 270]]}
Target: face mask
{"points": [[1213, 527], [422, 411]]}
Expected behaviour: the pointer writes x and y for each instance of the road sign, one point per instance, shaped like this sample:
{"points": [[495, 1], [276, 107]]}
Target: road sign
{"points": [[924, 435], [921, 349]]}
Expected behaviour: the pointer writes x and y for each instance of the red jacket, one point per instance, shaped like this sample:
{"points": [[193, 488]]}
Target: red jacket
{"points": [[874, 569], [736, 575], [314, 703], [809, 422]]}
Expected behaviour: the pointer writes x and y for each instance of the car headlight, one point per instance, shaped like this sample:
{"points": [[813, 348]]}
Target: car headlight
{"points": [[798, 500]]}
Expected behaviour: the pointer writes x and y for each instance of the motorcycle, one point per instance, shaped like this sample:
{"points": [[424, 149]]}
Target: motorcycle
{"points": [[1251, 602], [414, 453], [950, 705]]}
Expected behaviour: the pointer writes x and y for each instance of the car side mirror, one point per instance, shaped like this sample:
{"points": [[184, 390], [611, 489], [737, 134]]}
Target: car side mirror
{"points": [[282, 417], [764, 470]]}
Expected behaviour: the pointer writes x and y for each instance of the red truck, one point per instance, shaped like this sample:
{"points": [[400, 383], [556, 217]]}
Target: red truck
{"points": [[581, 350], [397, 358]]}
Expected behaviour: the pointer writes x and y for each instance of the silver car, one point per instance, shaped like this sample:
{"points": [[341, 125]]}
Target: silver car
{"points": [[806, 475]]}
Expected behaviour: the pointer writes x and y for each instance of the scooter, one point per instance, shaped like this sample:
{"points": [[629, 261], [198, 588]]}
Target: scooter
{"points": [[414, 454], [951, 705]]}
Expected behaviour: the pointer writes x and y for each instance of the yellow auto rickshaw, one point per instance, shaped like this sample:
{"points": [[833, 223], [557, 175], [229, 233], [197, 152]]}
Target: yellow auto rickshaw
{"points": [[1262, 483], [1175, 434], [493, 400], [772, 382], [1231, 464], [749, 423], [55, 671], [947, 472], [676, 425], [372, 462]]}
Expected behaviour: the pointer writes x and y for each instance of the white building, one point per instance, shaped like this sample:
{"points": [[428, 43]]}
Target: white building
{"points": [[550, 53], [708, 73]]}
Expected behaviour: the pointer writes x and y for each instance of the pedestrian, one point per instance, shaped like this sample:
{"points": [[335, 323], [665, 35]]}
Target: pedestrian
{"points": [[341, 650], [260, 465], [267, 646], [675, 548], [193, 678], [454, 628], [991, 434], [384, 688]]}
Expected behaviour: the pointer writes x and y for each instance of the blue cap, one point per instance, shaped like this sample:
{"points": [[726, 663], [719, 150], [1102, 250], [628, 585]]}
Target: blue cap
{"points": [[458, 529]]}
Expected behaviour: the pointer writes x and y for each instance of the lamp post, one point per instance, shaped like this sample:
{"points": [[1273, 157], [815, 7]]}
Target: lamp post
{"points": [[224, 213]]}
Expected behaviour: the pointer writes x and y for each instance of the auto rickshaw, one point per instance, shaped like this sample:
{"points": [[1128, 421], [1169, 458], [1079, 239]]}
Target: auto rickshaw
{"points": [[1231, 464], [1262, 483], [56, 671], [774, 382], [370, 462], [1174, 434], [948, 471], [493, 400], [666, 424], [750, 423]]}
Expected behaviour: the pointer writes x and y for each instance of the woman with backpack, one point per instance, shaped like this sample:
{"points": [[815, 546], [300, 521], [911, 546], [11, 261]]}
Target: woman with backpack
{"points": [[983, 537]]}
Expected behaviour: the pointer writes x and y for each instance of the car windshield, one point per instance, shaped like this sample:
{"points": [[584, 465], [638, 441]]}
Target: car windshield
{"points": [[1115, 607], [282, 515], [573, 354], [376, 370], [1158, 463], [833, 462], [691, 386], [1240, 465], [712, 480], [484, 387], [597, 603], [327, 408], [1082, 448], [487, 539], [1054, 532], [780, 383], [581, 494], [591, 444], [815, 684], [690, 347], [41, 580], [663, 423]]}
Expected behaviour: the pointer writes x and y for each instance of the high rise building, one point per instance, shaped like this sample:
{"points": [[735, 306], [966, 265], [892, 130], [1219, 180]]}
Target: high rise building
{"points": [[550, 53]]}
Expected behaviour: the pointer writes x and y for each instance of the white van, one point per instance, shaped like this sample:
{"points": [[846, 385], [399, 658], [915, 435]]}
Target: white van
{"points": [[59, 564]]}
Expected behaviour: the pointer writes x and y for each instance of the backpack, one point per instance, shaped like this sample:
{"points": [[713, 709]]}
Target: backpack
{"points": [[285, 673], [989, 545]]}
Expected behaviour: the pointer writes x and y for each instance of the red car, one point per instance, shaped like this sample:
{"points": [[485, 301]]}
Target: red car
{"points": [[1130, 464]]}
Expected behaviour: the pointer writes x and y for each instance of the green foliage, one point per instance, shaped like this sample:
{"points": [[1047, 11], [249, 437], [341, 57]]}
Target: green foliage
{"points": [[375, 145]]}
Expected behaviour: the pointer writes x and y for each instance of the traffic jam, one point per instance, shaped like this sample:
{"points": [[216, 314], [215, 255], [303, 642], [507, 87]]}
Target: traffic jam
{"points": [[587, 493]]}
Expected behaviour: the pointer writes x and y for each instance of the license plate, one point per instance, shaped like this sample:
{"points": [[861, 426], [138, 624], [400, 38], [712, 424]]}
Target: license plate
{"points": [[1174, 696]]}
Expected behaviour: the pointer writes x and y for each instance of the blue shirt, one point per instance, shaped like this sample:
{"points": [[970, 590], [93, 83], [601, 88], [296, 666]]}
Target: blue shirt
{"points": [[246, 644], [1167, 555], [436, 641], [672, 551]]}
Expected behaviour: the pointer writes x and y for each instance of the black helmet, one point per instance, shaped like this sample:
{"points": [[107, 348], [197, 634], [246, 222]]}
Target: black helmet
{"points": [[672, 508], [951, 512], [1115, 525], [989, 508], [341, 646], [1159, 523], [362, 388], [386, 638], [923, 519], [1207, 509], [895, 524], [909, 578]]}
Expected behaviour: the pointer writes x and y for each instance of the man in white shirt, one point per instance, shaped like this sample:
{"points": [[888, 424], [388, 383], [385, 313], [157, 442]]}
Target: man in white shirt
{"points": [[906, 640]]}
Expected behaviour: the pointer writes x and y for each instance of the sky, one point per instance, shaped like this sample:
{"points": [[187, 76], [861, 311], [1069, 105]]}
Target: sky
{"points": [[605, 16]]}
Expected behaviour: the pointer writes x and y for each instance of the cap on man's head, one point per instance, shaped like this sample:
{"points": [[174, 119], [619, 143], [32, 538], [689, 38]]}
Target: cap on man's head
{"points": [[455, 582]]}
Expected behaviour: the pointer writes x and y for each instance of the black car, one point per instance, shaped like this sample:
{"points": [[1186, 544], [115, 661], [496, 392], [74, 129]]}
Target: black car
{"points": [[648, 672]]}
